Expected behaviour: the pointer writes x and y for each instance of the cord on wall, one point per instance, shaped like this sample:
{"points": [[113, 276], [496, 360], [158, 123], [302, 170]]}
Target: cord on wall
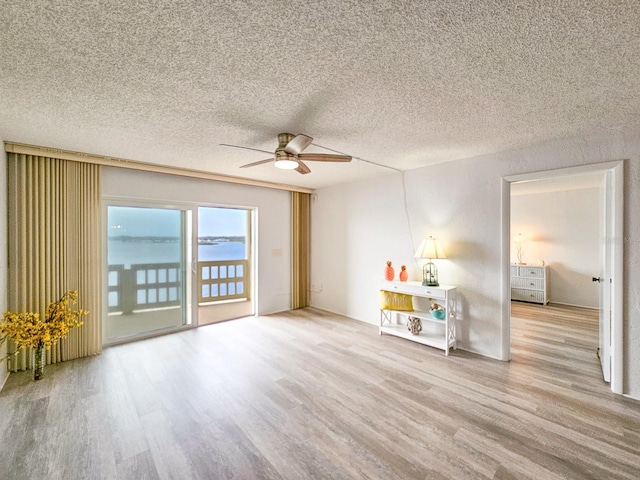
{"points": [[406, 212], [404, 194]]}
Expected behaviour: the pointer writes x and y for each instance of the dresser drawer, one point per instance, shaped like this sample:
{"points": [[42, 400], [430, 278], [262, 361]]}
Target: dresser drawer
{"points": [[531, 283], [531, 272], [527, 295]]}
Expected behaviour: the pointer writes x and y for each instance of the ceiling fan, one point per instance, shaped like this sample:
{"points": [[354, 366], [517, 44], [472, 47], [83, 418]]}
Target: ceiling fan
{"points": [[289, 154]]}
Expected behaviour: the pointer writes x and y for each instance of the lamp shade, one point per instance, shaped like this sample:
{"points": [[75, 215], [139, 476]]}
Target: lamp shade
{"points": [[429, 248]]}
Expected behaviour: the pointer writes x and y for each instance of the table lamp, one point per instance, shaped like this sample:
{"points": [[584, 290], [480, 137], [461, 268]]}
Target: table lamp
{"points": [[430, 249]]}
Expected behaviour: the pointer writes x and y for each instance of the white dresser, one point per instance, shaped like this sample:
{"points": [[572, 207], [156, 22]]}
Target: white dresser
{"points": [[530, 283]]}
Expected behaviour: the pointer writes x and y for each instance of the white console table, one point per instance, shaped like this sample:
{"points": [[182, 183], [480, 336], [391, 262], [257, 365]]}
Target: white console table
{"points": [[435, 333]]}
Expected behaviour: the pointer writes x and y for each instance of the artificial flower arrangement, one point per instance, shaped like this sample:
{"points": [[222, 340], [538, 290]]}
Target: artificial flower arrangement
{"points": [[28, 329]]}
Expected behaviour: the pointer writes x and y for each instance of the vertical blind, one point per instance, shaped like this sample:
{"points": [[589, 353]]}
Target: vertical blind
{"points": [[300, 227], [55, 246]]}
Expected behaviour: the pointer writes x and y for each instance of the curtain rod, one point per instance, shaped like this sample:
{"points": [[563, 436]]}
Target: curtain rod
{"points": [[21, 148]]}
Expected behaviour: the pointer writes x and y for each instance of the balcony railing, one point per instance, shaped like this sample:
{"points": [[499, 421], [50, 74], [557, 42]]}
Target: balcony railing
{"points": [[156, 285], [144, 286], [220, 280]]}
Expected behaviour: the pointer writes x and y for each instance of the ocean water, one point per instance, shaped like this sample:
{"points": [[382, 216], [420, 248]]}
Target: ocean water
{"points": [[128, 253]]}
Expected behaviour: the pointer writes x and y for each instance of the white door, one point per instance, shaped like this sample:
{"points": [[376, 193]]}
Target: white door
{"points": [[606, 230]]}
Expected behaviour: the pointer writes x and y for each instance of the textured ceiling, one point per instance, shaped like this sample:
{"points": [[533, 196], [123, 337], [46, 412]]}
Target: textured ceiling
{"points": [[398, 83]]}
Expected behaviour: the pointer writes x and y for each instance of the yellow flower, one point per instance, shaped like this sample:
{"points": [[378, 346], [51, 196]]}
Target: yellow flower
{"points": [[27, 329]]}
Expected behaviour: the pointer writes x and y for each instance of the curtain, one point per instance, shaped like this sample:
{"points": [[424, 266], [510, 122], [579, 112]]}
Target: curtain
{"points": [[300, 226], [55, 245]]}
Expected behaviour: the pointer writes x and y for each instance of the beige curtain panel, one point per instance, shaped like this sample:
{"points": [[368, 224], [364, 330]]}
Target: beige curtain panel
{"points": [[55, 246], [300, 228]]}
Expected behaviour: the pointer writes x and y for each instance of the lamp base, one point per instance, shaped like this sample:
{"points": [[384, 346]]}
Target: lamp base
{"points": [[430, 275]]}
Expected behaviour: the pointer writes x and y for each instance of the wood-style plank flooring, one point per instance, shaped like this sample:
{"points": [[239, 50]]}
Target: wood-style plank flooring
{"points": [[310, 395]]}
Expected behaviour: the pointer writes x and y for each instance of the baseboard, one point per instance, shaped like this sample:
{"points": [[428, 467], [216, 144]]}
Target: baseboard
{"points": [[342, 315], [4, 381], [573, 305]]}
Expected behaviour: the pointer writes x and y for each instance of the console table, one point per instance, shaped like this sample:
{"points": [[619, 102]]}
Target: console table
{"points": [[435, 333]]}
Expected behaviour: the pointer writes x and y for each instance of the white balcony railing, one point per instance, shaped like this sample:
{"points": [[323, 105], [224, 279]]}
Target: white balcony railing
{"points": [[156, 285], [220, 280]]}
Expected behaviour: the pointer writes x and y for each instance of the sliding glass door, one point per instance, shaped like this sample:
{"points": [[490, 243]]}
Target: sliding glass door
{"points": [[148, 277], [223, 264]]}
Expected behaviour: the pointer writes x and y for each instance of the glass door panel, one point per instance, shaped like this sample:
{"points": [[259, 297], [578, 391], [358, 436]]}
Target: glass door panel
{"points": [[147, 281], [223, 266]]}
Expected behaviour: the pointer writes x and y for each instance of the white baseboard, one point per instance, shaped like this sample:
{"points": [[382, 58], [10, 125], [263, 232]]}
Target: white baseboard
{"points": [[631, 397], [573, 305]]}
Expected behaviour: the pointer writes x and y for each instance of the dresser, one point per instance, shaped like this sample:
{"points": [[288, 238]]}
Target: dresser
{"points": [[530, 283]]}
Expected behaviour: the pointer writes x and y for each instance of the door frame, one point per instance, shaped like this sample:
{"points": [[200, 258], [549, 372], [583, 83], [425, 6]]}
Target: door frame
{"points": [[616, 170]]}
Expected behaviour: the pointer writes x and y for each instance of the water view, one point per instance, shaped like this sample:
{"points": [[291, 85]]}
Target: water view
{"points": [[160, 250]]}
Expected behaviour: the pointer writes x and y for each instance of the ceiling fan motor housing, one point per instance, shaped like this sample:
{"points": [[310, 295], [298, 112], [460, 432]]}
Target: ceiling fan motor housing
{"points": [[284, 139]]}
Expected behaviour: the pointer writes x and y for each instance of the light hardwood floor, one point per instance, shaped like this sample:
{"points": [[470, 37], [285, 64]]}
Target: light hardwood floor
{"points": [[308, 394]]}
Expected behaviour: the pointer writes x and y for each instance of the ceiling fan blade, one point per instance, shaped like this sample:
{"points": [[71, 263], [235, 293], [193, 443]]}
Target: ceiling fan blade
{"points": [[298, 144], [257, 163], [302, 168], [245, 148], [324, 157]]}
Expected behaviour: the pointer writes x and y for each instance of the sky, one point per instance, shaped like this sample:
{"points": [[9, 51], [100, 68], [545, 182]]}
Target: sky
{"points": [[161, 222]]}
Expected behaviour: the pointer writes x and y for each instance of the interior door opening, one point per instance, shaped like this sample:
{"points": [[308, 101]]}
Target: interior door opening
{"points": [[607, 255], [555, 231]]}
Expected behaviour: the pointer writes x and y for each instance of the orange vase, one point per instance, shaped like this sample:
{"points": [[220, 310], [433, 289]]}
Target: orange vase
{"points": [[389, 273], [404, 276]]}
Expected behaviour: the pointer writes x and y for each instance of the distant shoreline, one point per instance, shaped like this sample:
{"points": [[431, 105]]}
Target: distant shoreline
{"points": [[155, 239]]}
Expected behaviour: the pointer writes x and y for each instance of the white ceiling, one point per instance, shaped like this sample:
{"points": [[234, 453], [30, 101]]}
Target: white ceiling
{"points": [[398, 83]]}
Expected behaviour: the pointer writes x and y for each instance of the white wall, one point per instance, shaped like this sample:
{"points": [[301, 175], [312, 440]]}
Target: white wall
{"points": [[4, 374], [274, 220], [562, 228], [356, 227]]}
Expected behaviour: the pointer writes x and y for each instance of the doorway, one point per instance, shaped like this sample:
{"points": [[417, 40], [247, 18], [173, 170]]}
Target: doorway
{"points": [[610, 303]]}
